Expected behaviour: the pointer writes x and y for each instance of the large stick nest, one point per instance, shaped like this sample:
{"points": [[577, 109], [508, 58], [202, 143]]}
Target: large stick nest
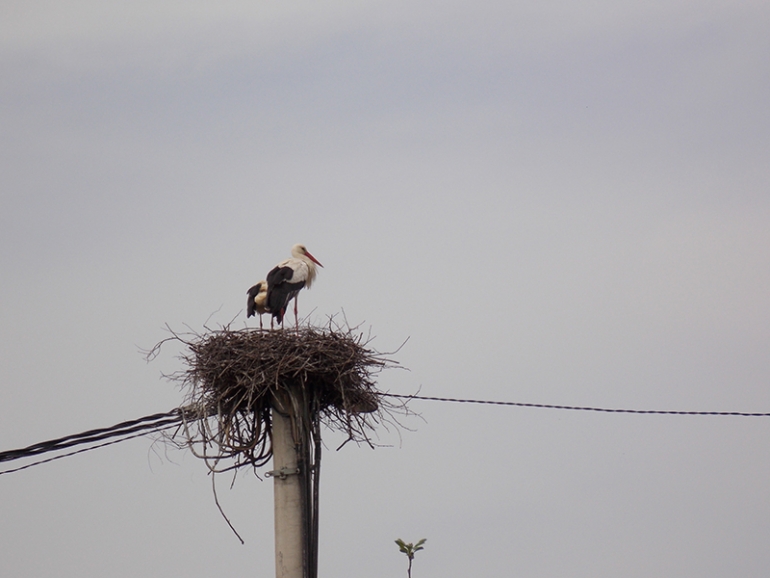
{"points": [[234, 378]]}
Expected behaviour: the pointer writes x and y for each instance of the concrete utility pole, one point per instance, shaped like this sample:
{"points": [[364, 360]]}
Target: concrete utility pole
{"points": [[287, 487]]}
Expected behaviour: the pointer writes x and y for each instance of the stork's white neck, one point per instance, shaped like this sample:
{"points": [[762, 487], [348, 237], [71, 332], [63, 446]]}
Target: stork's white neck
{"points": [[311, 271]]}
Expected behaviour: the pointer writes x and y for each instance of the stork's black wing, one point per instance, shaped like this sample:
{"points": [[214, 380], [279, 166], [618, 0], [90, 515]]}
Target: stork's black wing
{"points": [[280, 291], [251, 308]]}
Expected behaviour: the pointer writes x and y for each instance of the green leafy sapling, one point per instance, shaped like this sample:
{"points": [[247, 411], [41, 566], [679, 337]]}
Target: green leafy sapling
{"points": [[410, 550]]}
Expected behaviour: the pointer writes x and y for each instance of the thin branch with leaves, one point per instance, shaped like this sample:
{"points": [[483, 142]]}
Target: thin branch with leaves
{"points": [[410, 550]]}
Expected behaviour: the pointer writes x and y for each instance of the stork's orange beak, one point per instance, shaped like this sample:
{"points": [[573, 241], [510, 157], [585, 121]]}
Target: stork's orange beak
{"points": [[313, 259]]}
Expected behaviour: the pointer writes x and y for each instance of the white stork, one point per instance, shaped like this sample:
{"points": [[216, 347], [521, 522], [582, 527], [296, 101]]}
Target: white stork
{"points": [[286, 280], [257, 301]]}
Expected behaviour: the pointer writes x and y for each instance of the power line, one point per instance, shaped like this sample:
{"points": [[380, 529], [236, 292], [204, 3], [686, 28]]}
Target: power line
{"points": [[160, 421], [149, 422], [577, 408], [117, 433], [80, 451]]}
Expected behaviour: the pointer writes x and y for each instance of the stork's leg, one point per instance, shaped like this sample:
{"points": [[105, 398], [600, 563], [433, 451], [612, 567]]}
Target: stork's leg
{"points": [[260, 322], [296, 319]]}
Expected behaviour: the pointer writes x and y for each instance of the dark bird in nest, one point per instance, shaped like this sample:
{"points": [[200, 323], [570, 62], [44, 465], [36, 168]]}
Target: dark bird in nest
{"points": [[286, 280], [257, 301]]}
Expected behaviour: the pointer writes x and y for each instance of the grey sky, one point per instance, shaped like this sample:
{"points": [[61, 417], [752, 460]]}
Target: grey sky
{"points": [[557, 202]]}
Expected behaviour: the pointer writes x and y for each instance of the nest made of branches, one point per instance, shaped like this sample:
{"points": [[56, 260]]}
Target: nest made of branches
{"points": [[318, 375]]}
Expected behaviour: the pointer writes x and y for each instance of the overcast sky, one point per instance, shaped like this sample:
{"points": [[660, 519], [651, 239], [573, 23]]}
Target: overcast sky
{"points": [[556, 202]]}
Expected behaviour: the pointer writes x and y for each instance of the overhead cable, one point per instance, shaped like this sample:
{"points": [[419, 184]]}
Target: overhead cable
{"points": [[161, 421], [577, 408], [117, 433]]}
